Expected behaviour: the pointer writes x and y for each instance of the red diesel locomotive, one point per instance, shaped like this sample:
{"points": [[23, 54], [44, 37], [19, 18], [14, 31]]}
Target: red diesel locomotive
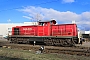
{"points": [[46, 32]]}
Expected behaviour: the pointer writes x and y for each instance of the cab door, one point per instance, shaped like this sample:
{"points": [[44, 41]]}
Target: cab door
{"points": [[16, 31]]}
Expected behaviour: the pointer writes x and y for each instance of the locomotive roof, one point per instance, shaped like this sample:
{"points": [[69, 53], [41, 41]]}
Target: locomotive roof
{"points": [[48, 21]]}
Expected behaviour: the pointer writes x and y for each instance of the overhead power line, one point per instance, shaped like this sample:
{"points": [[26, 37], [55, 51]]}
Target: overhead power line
{"points": [[34, 4]]}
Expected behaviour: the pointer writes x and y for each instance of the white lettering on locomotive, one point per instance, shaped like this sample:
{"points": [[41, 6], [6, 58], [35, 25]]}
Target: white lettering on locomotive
{"points": [[27, 28]]}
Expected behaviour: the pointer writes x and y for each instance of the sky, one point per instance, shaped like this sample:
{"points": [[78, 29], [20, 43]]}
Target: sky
{"points": [[63, 11]]}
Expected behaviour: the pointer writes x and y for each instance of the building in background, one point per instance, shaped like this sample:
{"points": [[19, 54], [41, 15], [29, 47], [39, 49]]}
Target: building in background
{"points": [[84, 34], [6, 28]]}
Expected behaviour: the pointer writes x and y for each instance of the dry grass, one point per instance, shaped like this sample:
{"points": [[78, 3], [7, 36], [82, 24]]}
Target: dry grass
{"points": [[15, 54]]}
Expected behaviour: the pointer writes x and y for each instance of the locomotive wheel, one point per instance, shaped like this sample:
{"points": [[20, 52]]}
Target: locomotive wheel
{"points": [[68, 42], [13, 40], [48, 42]]}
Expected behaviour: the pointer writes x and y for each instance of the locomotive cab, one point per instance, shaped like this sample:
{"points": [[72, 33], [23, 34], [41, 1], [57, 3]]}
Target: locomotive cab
{"points": [[43, 28]]}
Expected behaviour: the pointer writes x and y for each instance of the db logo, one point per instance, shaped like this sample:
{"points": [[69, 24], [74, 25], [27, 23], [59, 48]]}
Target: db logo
{"points": [[27, 28]]}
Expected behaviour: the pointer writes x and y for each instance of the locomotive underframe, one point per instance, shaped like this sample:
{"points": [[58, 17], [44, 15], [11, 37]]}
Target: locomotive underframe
{"points": [[51, 40]]}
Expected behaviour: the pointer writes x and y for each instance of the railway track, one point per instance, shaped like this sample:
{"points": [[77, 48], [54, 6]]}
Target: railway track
{"points": [[85, 51], [72, 51]]}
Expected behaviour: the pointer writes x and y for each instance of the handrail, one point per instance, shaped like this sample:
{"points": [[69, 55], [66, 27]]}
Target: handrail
{"points": [[26, 32], [32, 32]]}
